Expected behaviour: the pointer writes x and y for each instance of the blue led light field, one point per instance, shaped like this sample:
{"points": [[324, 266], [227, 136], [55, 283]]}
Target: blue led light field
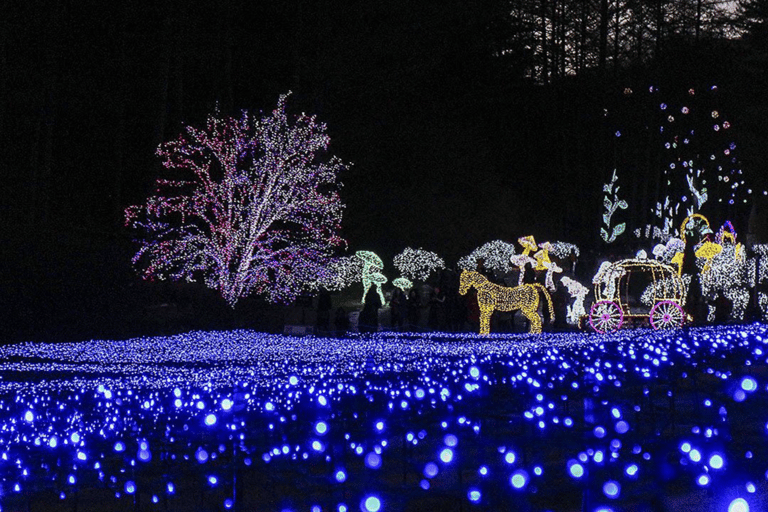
{"points": [[248, 421]]}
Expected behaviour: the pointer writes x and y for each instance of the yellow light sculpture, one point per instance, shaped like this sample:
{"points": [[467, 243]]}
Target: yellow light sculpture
{"points": [[690, 218], [542, 257], [492, 297], [528, 243], [678, 260], [708, 250]]}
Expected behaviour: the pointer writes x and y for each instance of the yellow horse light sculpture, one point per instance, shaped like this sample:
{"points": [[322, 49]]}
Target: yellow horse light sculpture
{"points": [[492, 297]]}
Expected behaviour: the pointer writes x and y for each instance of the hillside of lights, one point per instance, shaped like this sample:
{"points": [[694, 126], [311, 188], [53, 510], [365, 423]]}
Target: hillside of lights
{"points": [[393, 421]]}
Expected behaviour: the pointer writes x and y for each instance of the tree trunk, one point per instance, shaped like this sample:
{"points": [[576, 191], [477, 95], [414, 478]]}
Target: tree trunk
{"points": [[603, 34]]}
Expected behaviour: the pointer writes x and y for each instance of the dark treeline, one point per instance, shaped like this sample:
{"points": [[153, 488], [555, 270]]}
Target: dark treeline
{"points": [[465, 121]]}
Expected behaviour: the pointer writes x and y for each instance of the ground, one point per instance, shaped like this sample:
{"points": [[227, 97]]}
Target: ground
{"points": [[636, 420]]}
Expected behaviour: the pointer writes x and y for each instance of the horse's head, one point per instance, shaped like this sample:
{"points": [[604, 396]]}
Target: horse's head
{"points": [[469, 278]]}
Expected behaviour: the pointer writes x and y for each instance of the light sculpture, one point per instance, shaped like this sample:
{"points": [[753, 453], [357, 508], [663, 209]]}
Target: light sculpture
{"points": [[492, 297], [578, 293], [611, 203], [418, 264], [372, 265], [260, 212], [520, 261], [726, 273], [552, 268], [563, 250], [612, 303], [495, 255], [528, 243], [542, 257], [403, 283], [378, 279]]}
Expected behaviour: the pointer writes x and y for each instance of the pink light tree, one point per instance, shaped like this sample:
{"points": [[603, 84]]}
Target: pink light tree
{"points": [[258, 213]]}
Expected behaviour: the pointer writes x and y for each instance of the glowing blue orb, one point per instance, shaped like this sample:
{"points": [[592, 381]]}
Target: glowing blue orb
{"points": [[474, 495], [446, 455], [575, 469], [695, 455], [716, 461], [130, 487], [748, 384], [430, 470], [29, 416], [519, 479], [631, 470], [450, 440], [341, 476], [201, 455], [371, 504], [738, 505], [210, 420], [612, 489], [379, 426], [373, 460], [510, 457], [703, 480], [321, 427], [226, 404], [474, 372], [213, 480], [228, 503], [119, 446]]}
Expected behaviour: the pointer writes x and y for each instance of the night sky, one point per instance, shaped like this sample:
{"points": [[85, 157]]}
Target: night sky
{"points": [[452, 143]]}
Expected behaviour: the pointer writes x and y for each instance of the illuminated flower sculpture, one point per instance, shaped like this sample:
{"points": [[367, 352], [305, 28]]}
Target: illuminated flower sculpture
{"points": [[418, 264], [259, 212]]}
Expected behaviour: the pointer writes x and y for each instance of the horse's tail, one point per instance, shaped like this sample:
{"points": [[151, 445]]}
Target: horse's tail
{"points": [[549, 299]]}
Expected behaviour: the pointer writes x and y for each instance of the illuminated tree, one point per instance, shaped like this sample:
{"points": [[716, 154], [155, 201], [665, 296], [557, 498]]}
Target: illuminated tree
{"points": [[258, 209], [495, 255], [418, 264]]}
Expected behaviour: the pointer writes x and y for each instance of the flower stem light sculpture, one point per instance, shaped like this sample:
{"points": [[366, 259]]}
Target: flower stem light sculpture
{"points": [[611, 205], [260, 212], [492, 297]]}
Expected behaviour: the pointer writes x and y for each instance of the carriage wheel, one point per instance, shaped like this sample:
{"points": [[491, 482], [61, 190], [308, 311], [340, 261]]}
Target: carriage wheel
{"points": [[667, 314], [606, 316]]}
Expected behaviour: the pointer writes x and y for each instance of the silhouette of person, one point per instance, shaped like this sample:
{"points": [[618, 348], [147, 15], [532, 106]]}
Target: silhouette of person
{"points": [[414, 305], [368, 321]]}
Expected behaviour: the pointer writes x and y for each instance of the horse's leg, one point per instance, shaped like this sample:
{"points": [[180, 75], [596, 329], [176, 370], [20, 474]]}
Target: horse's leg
{"points": [[534, 319], [485, 321]]}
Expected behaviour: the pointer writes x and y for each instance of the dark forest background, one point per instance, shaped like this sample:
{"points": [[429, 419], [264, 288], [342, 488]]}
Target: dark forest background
{"points": [[466, 121]]}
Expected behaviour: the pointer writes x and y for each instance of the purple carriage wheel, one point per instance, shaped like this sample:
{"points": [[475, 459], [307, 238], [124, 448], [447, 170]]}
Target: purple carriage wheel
{"points": [[667, 314], [606, 316]]}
